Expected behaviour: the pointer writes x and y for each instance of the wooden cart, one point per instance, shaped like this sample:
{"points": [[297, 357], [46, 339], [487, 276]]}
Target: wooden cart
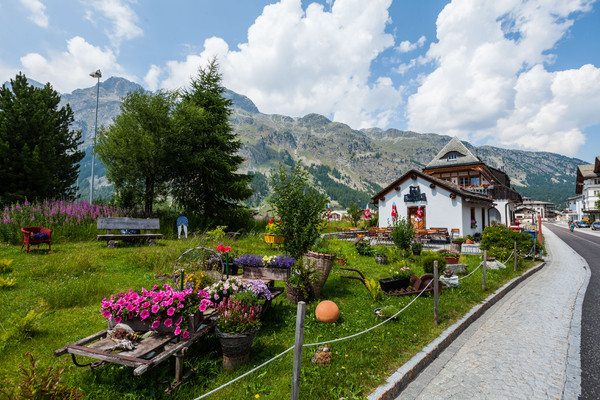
{"points": [[148, 352]]}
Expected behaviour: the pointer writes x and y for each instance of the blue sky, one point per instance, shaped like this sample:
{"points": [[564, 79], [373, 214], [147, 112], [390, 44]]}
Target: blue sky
{"points": [[511, 73]]}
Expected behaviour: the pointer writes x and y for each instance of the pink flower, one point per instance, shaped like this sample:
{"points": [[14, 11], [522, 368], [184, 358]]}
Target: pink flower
{"points": [[155, 324], [118, 320], [185, 334], [168, 322], [171, 311], [155, 308], [144, 314], [177, 331]]}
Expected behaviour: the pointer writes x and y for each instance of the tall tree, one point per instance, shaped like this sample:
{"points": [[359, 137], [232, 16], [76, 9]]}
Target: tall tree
{"points": [[134, 148], [38, 152], [205, 149]]}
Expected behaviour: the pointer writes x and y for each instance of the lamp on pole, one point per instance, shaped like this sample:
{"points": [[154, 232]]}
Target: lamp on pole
{"points": [[98, 75]]}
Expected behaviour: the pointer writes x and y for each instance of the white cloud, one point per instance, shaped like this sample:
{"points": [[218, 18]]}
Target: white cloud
{"points": [[70, 70], [405, 46], [37, 11], [490, 81], [124, 20], [296, 62], [152, 77]]}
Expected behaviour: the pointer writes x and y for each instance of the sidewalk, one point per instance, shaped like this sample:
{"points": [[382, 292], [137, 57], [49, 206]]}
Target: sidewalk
{"points": [[526, 346]]}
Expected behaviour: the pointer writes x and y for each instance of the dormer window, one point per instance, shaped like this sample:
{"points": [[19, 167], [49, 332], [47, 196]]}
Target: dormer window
{"points": [[452, 157]]}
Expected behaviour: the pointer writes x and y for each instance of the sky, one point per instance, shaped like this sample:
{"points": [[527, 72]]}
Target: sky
{"points": [[520, 74]]}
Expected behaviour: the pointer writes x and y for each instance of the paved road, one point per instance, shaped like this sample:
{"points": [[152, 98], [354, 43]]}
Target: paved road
{"points": [[526, 346], [587, 243]]}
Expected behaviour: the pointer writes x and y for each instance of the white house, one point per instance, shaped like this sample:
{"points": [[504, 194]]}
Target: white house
{"points": [[443, 204], [575, 207]]}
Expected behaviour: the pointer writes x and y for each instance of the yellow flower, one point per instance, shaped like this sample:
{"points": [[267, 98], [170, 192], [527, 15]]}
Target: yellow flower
{"points": [[361, 373], [256, 396], [374, 347], [343, 367], [346, 355]]}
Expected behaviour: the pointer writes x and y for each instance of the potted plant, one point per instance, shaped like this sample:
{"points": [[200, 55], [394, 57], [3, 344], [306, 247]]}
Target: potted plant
{"points": [[321, 258], [416, 247], [451, 256], [400, 277], [300, 284], [238, 323], [272, 267], [363, 247], [470, 239], [163, 310], [381, 255], [273, 235]]}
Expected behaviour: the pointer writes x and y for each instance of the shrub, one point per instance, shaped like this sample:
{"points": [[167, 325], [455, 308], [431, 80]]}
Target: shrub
{"points": [[300, 207], [21, 327], [5, 267], [363, 247], [7, 282], [499, 241], [402, 233], [427, 262]]}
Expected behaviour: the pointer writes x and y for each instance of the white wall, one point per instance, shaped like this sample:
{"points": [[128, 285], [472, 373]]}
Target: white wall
{"points": [[440, 210]]}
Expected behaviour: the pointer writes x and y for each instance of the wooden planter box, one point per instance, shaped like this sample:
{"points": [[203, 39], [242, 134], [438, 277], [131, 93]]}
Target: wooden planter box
{"points": [[275, 274], [451, 260], [273, 239]]}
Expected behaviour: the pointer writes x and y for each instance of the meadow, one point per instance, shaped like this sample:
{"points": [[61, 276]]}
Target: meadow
{"points": [[55, 299]]}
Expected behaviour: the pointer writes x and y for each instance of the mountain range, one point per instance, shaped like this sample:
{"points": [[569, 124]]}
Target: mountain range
{"points": [[349, 165]]}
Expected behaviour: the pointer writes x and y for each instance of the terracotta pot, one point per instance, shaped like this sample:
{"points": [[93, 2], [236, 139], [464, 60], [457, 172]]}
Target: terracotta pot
{"points": [[341, 260], [451, 260], [469, 241]]}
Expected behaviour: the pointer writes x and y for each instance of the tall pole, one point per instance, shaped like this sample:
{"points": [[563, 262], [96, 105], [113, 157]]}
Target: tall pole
{"points": [[98, 75]]}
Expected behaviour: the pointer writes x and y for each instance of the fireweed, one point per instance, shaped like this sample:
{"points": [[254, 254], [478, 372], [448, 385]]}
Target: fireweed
{"points": [[167, 307], [238, 315]]}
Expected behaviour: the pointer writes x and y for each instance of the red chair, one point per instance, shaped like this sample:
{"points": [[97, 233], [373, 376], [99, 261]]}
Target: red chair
{"points": [[35, 235]]}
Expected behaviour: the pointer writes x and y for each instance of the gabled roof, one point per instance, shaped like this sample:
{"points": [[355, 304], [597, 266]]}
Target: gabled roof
{"points": [[451, 187], [586, 171], [453, 147]]}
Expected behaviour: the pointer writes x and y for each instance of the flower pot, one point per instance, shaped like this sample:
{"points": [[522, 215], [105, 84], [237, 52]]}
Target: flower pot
{"points": [[469, 241], [294, 294], [233, 269], [341, 260], [416, 252], [381, 259], [236, 347], [323, 264], [276, 274], [391, 284], [451, 260], [273, 239]]}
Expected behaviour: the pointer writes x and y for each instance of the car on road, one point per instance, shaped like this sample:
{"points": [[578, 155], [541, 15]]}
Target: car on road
{"points": [[582, 224], [595, 225]]}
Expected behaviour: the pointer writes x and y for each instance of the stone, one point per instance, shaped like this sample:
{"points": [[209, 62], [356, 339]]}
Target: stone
{"points": [[450, 281], [327, 311]]}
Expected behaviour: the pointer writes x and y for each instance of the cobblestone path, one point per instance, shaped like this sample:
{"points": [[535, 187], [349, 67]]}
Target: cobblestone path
{"points": [[524, 347]]}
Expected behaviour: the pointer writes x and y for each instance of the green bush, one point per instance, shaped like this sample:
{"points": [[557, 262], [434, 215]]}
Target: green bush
{"points": [[402, 233], [427, 262], [499, 241]]}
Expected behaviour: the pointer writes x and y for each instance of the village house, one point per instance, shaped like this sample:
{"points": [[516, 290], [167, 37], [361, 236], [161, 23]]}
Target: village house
{"points": [[456, 191], [588, 188], [543, 209]]}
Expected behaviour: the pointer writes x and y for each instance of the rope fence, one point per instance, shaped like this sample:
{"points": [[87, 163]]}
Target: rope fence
{"points": [[299, 346]]}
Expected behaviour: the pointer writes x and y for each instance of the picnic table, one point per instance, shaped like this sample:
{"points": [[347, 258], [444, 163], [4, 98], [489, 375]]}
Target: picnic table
{"points": [[147, 353]]}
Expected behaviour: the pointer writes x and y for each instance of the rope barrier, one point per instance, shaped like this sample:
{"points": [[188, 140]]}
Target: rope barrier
{"points": [[371, 328], [243, 375], [466, 276]]}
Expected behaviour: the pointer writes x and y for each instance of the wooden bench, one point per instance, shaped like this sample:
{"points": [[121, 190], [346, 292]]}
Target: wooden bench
{"points": [[134, 224]]}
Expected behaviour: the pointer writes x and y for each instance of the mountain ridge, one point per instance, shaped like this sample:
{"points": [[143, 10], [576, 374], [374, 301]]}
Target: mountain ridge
{"points": [[345, 162]]}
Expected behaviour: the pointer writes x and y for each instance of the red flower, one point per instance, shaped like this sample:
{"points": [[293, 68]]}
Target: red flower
{"points": [[223, 249]]}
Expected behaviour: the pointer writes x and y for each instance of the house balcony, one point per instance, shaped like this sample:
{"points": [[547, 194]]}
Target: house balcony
{"points": [[482, 190]]}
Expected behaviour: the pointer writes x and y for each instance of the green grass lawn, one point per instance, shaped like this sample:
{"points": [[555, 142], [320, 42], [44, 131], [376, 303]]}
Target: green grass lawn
{"points": [[66, 287]]}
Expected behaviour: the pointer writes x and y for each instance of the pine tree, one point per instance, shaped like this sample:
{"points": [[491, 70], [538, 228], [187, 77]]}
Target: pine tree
{"points": [[205, 177], [38, 152]]}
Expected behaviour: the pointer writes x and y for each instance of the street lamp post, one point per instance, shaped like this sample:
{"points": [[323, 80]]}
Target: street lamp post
{"points": [[98, 75]]}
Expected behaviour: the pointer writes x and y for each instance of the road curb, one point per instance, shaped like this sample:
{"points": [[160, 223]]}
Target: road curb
{"points": [[407, 372]]}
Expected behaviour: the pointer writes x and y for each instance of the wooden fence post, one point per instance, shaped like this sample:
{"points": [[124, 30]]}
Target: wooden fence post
{"points": [[435, 292], [515, 255], [484, 267], [301, 310]]}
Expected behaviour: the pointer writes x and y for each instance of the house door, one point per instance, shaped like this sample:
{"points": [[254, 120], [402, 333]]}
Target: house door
{"points": [[412, 215]]}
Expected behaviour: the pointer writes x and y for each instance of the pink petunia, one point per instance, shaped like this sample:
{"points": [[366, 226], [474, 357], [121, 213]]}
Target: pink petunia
{"points": [[155, 308], [144, 314], [118, 320], [155, 324], [177, 331], [168, 322], [171, 311], [185, 334]]}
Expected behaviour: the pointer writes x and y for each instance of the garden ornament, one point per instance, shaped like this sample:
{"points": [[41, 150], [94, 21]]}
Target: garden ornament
{"points": [[182, 225]]}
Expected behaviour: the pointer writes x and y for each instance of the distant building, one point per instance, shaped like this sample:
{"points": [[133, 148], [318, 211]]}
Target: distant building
{"points": [[544, 209], [588, 186], [575, 207]]}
